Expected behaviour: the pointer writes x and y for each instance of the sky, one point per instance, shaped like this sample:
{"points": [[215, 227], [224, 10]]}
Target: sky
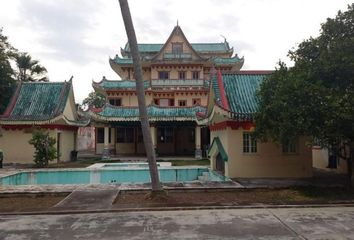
{"points": [[77, 37]]}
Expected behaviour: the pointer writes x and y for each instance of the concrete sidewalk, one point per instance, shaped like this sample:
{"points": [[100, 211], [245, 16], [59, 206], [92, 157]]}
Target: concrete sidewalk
{"points": [[99, 199], [294, 223]]}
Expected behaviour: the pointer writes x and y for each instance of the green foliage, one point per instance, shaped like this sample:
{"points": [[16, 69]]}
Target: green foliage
{"points": [[30, 70], [7, 81], [94, 100], [45, 147], [316, 96]]}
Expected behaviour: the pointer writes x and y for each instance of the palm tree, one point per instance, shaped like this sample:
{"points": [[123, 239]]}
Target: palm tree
{"points": [[30, 70], [129, 28]]}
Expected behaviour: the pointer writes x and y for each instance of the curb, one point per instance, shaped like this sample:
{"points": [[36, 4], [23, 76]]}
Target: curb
{"points": [[151, 209]]}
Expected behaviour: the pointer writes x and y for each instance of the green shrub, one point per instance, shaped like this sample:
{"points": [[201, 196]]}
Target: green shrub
{"points": [[45, 147]]}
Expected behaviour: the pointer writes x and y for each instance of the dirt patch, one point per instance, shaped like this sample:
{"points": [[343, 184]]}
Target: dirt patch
{"points": [[29, 202], [235, 197]]}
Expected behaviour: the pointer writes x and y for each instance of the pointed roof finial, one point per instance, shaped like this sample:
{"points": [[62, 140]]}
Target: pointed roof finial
{"points": [[177, 22]]}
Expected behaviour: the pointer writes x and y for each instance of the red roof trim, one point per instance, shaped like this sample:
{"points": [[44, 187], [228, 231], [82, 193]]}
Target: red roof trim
{"points": [[255, 72], [224, 101], [47, 126], [12, 103], [231, 124]]}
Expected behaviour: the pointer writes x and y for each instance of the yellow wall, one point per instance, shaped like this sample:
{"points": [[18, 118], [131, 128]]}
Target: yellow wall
{"points": [[269, 161], [14, 144], [320, 160]]}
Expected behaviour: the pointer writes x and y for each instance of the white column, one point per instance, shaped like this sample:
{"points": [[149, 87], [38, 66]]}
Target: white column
{"points": [[153, 136], [198, 151], [105, 153], [106, 137]]}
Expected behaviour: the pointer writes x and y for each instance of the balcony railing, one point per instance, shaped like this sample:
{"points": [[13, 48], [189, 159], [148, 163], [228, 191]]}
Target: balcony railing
{"points": [[177, 56], [179, 83]]}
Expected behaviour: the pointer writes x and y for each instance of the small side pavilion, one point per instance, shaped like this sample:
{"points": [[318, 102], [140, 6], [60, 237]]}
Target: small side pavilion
{"points": [[45, 105], [234, 151]]}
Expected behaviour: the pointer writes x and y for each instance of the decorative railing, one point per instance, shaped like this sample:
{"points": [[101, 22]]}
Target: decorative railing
{"points": [[177, 56], [179, 83]]}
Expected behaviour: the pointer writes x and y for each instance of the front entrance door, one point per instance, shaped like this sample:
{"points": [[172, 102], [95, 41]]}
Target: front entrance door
{"points": [[220, 164]]}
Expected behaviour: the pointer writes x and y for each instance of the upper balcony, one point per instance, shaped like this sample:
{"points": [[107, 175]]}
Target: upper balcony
{"points": [[179, 83], [173, 56]]}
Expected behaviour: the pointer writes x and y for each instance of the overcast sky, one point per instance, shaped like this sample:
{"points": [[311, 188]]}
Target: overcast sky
{"points": [[77, 37]]}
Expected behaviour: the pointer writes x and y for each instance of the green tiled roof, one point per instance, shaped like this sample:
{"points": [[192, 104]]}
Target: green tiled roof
{"points": [[119, 60], [40, 101], [110, 111], [114, 84], [217, 144], [226, 61], [240, 90], [199, 47]]}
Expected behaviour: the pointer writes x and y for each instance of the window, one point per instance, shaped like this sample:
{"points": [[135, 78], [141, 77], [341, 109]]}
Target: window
{"points": [[182, 103], [177, 48], [165, 102], [196, 101], [100, 135], [125, 135], [165, 134], [289, 146], [195, 75], [164, 75], [182, 75], [249, 143], [115, 101]]}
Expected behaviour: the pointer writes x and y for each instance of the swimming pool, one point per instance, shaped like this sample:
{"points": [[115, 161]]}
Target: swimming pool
{"points": [[107, 175]]}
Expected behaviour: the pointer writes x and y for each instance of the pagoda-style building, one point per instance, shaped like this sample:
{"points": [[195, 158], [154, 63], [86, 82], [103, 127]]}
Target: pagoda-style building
{"points": [[177, 83]]}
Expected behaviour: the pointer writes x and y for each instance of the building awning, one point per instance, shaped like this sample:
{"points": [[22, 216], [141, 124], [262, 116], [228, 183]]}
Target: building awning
{"points": [[217, 146]]}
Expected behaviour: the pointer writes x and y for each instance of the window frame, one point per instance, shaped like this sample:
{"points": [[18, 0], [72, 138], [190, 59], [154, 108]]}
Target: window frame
{"points": [[115, 100], [197, 73], [196, 101], [182, 103], [249, 143], [290, 147], [164, 77], [180, 73], [177, 46], [122, 135]]}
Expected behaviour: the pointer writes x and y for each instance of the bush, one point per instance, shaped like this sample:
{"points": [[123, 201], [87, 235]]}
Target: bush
{"points": [[45, 147]]}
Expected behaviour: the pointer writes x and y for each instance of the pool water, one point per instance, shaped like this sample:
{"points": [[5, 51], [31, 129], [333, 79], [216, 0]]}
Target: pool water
{"points": [[107, 175]]}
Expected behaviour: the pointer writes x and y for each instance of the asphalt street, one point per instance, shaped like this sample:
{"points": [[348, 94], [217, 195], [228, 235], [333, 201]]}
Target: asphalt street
{"points": [[289, 223]]}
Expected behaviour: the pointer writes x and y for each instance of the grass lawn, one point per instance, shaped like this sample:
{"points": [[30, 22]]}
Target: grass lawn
{"points": [[182, 198], [303, 195]]}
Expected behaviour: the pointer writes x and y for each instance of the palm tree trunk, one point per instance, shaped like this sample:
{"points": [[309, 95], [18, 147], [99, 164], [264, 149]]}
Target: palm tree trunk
{"points": [[129, 28]]}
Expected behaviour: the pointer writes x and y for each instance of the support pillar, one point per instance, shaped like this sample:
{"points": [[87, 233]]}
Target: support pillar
{"points": [[154, 138], [112, 146], [105, 153], [198, 150]]}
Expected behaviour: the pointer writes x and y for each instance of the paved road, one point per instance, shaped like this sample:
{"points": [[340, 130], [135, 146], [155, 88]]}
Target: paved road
{"points": [[301, 223]]}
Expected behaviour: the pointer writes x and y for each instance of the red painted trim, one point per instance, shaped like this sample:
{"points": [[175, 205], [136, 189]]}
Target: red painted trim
{"points": [[47, 126], [231, 124], [12, 102], [255, 72], [224, 101]]}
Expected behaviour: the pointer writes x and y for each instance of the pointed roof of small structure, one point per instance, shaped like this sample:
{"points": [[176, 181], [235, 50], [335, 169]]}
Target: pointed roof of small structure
{"points": [[38, 102]]}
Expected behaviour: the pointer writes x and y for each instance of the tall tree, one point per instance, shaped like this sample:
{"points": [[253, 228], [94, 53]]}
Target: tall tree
{"points": [[316, 96], [154, 174], [94, 100], [7, 81], [30, 70]]}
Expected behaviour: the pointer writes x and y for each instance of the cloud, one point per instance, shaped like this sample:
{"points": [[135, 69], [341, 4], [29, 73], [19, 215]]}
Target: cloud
{"points": [[62, 26]]}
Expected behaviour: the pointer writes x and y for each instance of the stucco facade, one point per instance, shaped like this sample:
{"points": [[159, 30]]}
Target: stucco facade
{"points": [[268, 161], [40, 105]]}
